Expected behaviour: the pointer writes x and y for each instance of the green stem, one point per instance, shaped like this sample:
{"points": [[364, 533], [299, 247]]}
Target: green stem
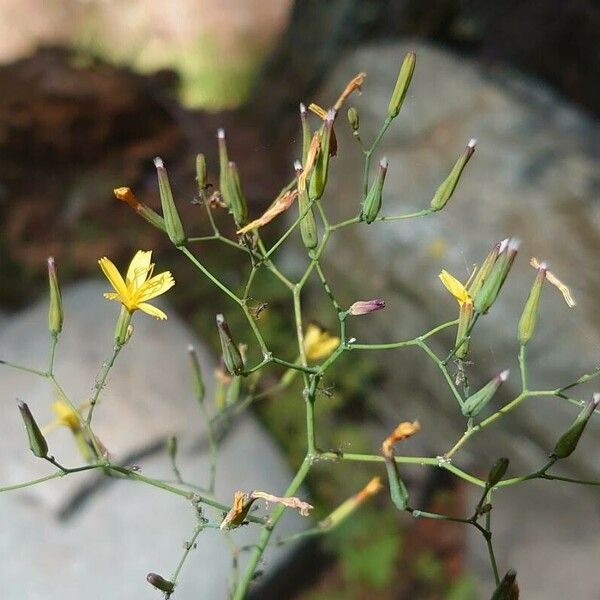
{"points": [[258, 550], [100, 383], [23, 368]]}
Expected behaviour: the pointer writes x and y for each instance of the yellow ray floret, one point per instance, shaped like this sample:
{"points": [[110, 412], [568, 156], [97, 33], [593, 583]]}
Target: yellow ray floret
{"points": [[455, 287], [139, 284], [319, 343]]}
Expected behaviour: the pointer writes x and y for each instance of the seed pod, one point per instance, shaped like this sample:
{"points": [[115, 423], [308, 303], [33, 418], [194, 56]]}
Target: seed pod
{"points": [[569, 440], [476, 402], [223, 168], [490, 289], [464, 320], [398, 491], [508, 588], [55, 310], [497, 472], [201, 173], [353, 119], [160, 583], [238, 206], [529, 316], [484, 270], [173, 223], [318, 179], [198, 382], [372, 203], [231, 354], [306, 134], [446, 189], [308, 224], [37, 442], [402, 83]]}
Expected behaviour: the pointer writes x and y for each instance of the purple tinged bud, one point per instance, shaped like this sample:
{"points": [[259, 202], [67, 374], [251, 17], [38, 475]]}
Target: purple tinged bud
{"points": [[160, 583], [364, 307]]}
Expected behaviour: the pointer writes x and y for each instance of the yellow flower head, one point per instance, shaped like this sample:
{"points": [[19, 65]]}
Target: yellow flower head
{"points": [[139, 284], [455, 287], [65, 416], [319, 343]]}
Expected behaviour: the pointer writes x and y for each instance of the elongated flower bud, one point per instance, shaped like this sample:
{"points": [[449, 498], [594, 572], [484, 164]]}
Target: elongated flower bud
{"points": [[508, 588], [484, 270], [124, 194], [490, 289], [198, 382], [173, 223], [308, 224], [353, 119], [237, 201], [398, 491], [37, 442], [476, 402], [306, 134], [318, 180], [465, 315], [446, 189], [497, 472], [160, 583], [55, 310], [364, 307], [529, 316], [223, 168], [172, 447], [231, 354], [201, 172], [569, 440], [372, 203], [402, 84]]}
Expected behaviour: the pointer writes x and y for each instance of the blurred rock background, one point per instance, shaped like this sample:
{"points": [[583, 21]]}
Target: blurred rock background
{"points": [[92, 90]]}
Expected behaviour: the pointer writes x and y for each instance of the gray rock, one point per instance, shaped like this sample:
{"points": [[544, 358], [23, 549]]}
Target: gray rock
{"points": [[534, 176], [86, 532]]}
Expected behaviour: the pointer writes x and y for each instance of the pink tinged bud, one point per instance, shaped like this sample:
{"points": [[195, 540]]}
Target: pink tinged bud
{"points": [[160, 583], [364, 307]]}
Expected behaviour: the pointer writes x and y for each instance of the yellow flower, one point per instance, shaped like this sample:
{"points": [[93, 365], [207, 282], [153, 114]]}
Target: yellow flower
{"points": [[139, 284], [319, 343], [65, 415], [455, 287]]}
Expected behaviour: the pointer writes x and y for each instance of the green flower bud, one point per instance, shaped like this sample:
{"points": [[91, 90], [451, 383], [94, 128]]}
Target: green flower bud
{"points": [[372, 203], [353, 119], [172, 447], [569, 440], [55, 311], [173, 223], [497, 472], [529, 317], [402, 83], [476, 402], [484, 271], [201, 173], [160, 583], [306, 133], [231, 354], [398, 491], [508, 588], [490, 289], [238, 208], [223, 168], [198, 382], [308, 224], [446, 189], [318, 179], [37, 442]]}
